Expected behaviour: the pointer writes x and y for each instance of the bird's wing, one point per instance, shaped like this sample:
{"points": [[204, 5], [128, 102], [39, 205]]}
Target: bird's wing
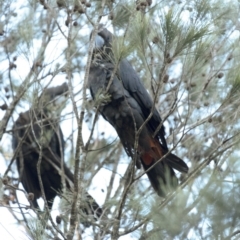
{"points": [[134, 86]]}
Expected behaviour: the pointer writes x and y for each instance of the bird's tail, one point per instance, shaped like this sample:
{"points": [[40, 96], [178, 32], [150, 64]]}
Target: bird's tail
{"points": [[162, 175], [88, 205]]}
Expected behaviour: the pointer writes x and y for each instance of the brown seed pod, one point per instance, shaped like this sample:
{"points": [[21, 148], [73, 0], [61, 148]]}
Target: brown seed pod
{"points": [[5, 180], [4, 107], [61, 3], [220, 75], [5, 199], [67, 22], [166, 78], [149, 2], [75, 24], [30, 196], [6, 89], [210, 120], [206, 104], [110, 16], [143, 4], [58, 219], [155, 39], [81, 10], [38, 64], [12, 65], [76, 8], [88, 4]]}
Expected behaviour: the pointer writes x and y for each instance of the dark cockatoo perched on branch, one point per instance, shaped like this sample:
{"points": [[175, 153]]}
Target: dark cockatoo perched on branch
{"points": [[37, 132], [126, 108]]}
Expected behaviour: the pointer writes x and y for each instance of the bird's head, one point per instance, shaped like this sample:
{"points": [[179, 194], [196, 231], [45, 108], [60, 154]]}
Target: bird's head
{"points": [[109, 48], [103, 42], [53, 100]]}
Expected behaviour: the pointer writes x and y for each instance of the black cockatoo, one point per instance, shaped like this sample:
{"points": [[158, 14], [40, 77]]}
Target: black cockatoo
{"points": [[128, 106], [38, 131]]}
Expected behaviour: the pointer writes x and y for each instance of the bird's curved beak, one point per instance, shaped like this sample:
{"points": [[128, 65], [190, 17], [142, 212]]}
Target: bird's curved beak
{"points": [[99, 42]]}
